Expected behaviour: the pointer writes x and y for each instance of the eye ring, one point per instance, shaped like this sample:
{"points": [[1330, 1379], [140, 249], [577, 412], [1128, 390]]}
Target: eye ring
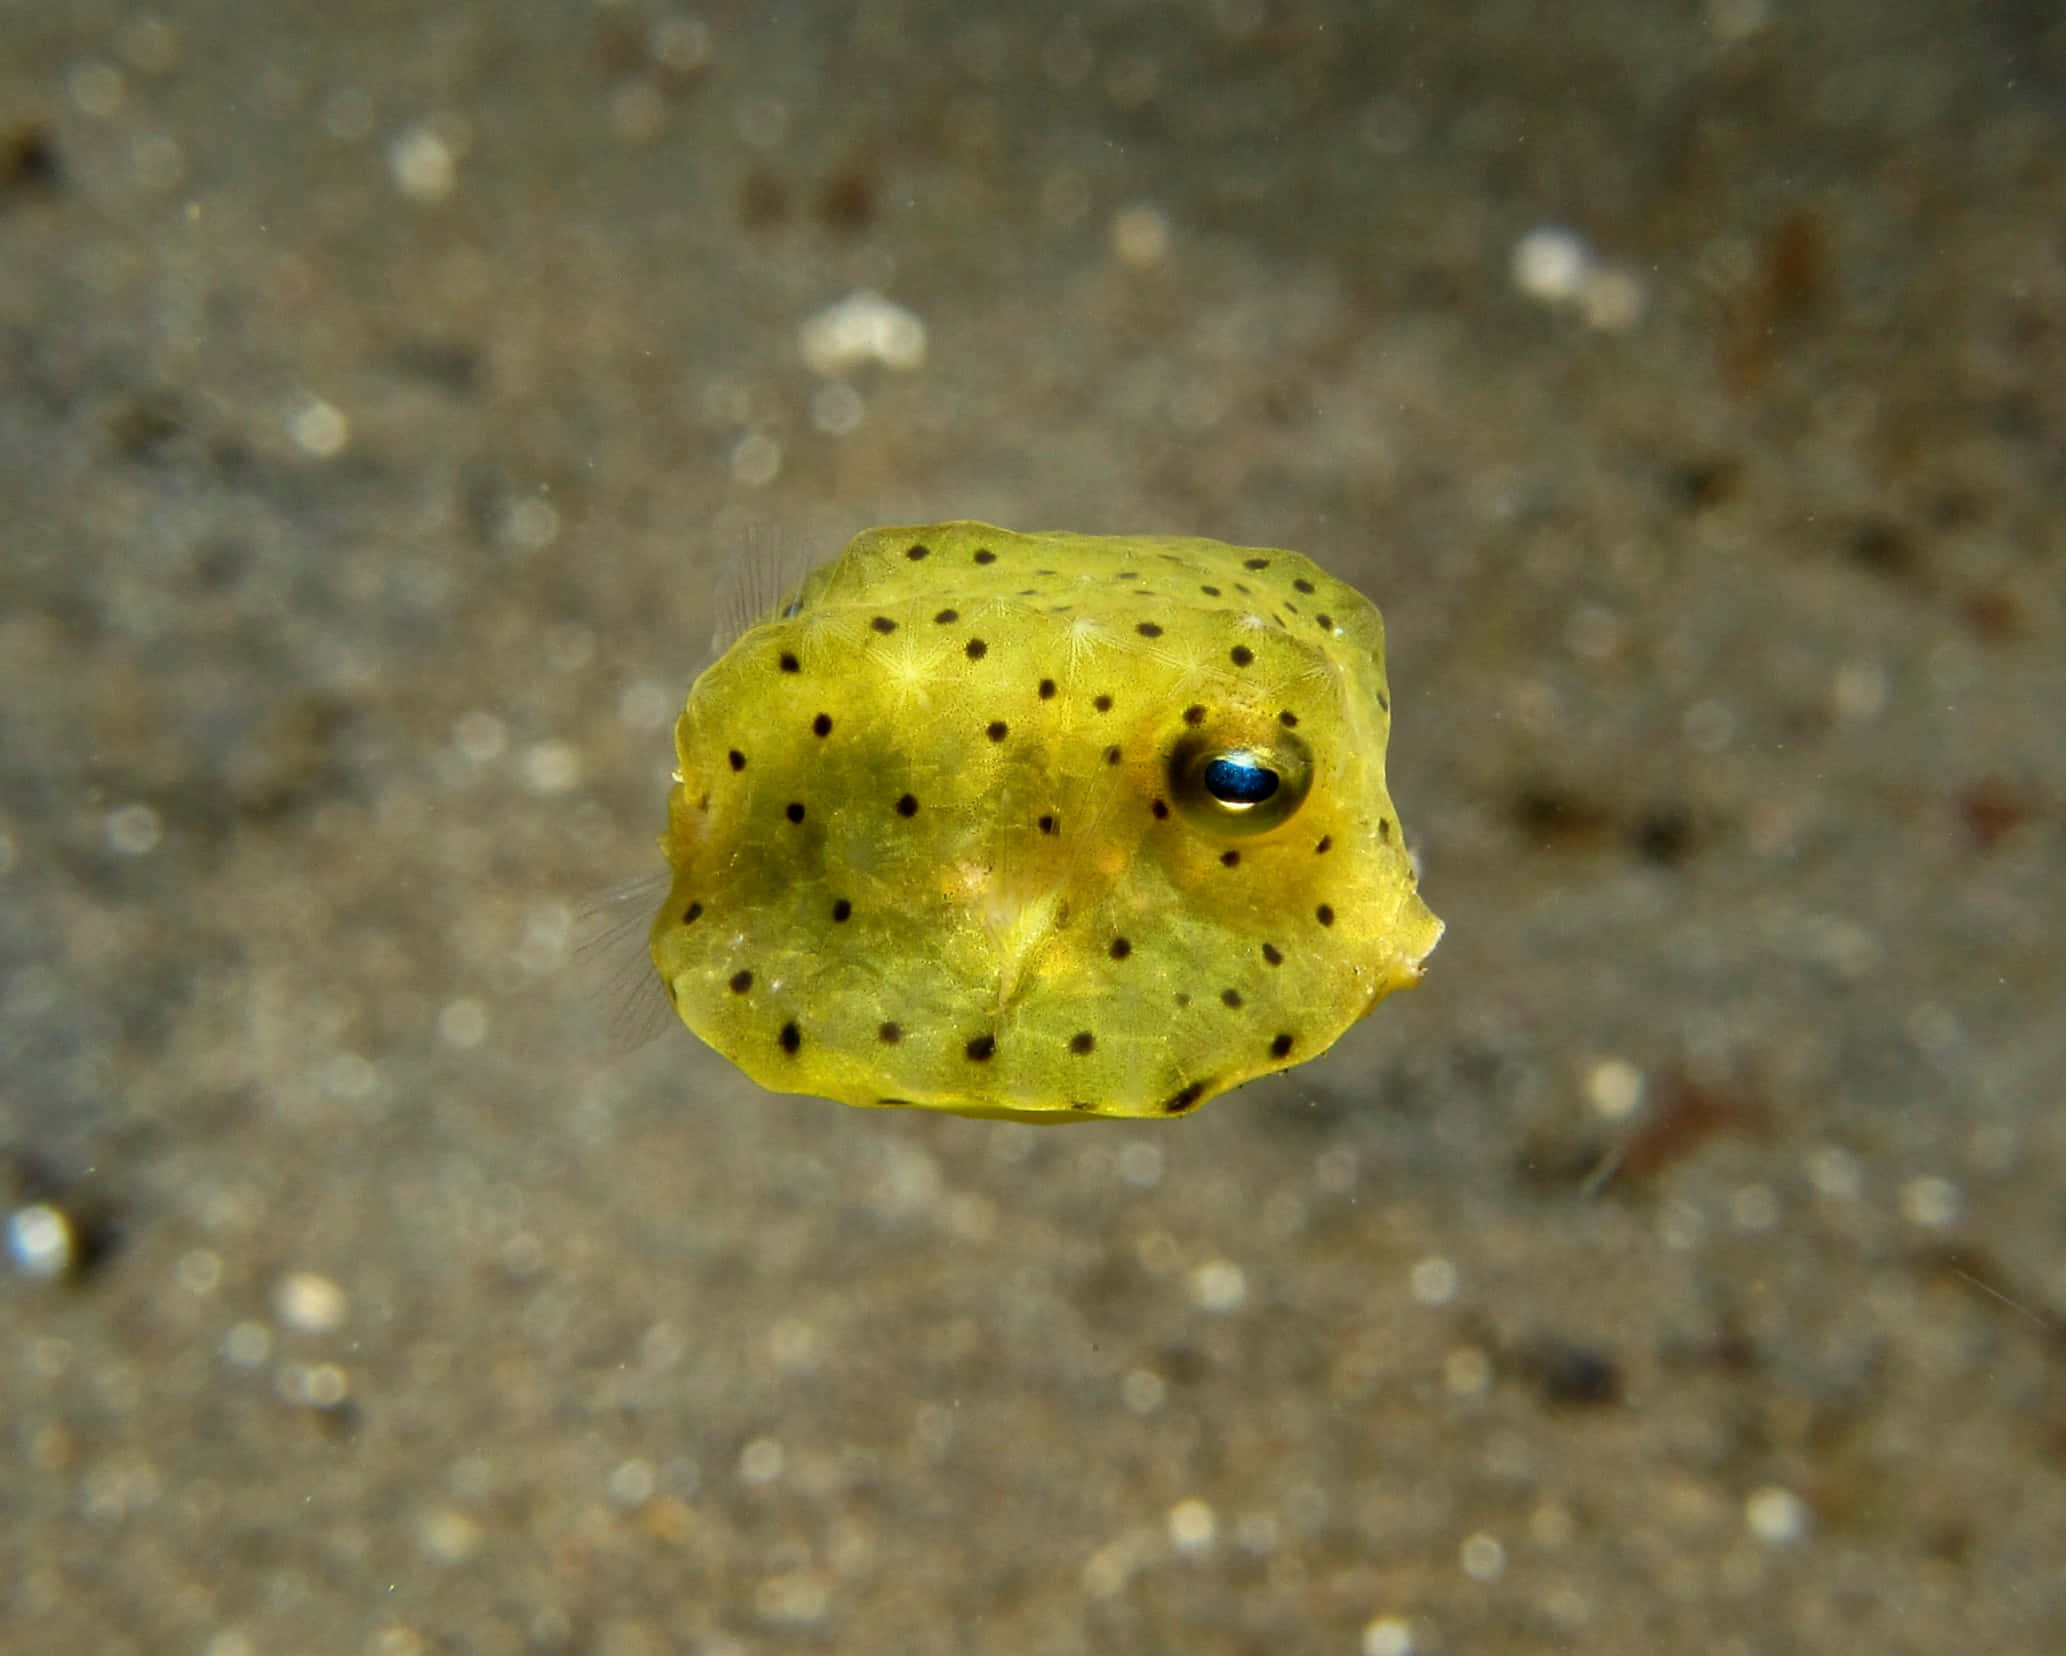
{"points": [[1240, 781]]}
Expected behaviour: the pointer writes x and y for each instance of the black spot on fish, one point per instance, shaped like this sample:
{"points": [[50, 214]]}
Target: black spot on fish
{"points": [[1241, 655], [883, 624], [741, 982], [842, 911], [975, 649], [822, 725], [794, 812], [947, 617], [791, 1038], [982, 1049], [1082, 1042], [907, 806], [789, 663]]}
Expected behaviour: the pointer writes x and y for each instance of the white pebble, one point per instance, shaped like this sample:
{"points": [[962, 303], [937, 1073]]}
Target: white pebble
{"points": [[1615, 1087], [1467, 1372], [1143, 1391], [1932, 1202], [480, 736], [319, 429], [1550, 265], [638, 112], [448, 1536], [681, 44], [1192, 1526], [1775, 1515], [552, 768], [199, 1271], [1218, 1285], [1709, 725], [349, 115], [97, 89], [1388, 1636], [645, 705], [1482, 1557], [1755, 1208], [1835, 1173], [1434, 1281], [837, 409], [248, 1344], [134, 830], [350, 1075], [41, 1242], [1140, 237], [533, 524], [1612, 299], [157, 161], [798, 1598], [1140, 1165], [1734, 21], [424, 167], [761, 1462], [311, 1303], [1859, 690], [862, 328], [149, 45], [632, 1483], [756, 460], [463, 1024]]}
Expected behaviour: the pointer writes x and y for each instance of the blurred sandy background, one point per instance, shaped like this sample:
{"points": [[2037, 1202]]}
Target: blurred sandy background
{"points": [[1682, 1267]]}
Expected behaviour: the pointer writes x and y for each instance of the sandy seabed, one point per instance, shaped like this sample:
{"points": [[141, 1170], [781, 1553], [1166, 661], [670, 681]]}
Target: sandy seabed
{"points": [[384, 391]]}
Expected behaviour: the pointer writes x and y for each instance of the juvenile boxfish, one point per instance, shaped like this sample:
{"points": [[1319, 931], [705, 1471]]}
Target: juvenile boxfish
{"points": [[1039, 826]]}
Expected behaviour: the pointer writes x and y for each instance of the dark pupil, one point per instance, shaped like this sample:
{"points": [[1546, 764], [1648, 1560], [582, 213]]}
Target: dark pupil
{"points": [[1239, 781]]}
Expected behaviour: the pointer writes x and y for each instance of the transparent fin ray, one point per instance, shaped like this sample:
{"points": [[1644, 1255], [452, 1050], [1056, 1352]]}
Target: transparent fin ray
{"points": [[613, 965], [760, 578]]}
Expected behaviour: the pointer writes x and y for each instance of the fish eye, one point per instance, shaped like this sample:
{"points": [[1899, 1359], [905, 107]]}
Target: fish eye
{"points": [[1229, 786], [1240, 781]]}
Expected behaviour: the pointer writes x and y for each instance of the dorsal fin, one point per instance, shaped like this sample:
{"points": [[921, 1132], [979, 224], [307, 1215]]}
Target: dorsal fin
{"points": [[762, 571]]}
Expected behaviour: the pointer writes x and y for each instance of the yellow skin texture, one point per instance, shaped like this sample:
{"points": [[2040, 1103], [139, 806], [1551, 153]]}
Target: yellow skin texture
{"points": [[1004, 902]]}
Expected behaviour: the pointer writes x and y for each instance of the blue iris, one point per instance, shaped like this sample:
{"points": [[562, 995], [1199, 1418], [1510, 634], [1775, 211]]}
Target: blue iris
{"points": [[1238, 779]]}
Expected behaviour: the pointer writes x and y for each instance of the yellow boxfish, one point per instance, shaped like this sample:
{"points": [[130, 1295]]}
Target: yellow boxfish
{"points": [[1040, 826]]}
